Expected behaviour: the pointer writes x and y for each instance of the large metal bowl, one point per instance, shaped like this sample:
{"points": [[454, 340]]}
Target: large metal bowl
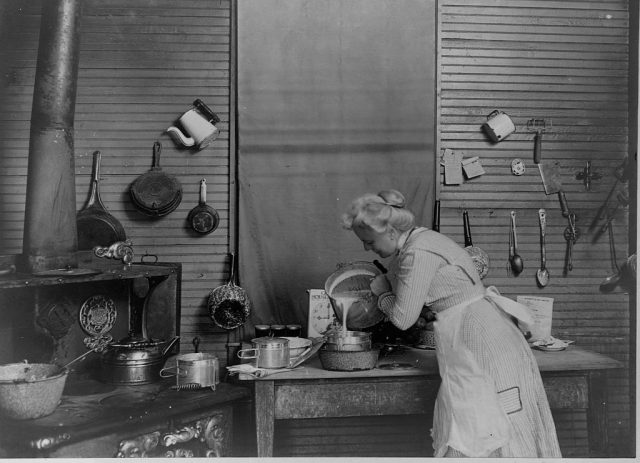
{"points": [[30, 390], [348, 288]]}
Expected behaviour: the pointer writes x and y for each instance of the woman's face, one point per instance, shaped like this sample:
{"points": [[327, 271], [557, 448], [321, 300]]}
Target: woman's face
{"points": [[383, 244]]}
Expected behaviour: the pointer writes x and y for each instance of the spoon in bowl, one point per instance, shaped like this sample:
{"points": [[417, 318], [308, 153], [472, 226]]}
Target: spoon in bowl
{"points": [[517, 265], [542, 275]]}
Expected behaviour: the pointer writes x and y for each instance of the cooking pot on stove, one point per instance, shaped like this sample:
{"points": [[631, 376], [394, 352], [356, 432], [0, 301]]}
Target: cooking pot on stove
{"points": [[135, 361]]}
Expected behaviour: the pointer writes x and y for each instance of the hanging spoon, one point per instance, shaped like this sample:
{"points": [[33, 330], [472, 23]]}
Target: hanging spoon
{"points": [[611, 281], [542, 275], [517, 265]]}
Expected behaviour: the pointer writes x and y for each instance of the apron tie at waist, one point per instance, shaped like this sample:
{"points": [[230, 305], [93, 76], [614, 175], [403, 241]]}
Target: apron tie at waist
{"points": [[513, 308]]}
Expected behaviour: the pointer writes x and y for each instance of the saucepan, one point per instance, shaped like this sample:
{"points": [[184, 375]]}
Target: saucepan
{"points": [[269, 352], [194, 371], [135, 361]]}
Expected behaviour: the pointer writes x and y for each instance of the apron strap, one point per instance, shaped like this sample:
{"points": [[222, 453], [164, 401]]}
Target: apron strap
{"points": [[513, 308]]}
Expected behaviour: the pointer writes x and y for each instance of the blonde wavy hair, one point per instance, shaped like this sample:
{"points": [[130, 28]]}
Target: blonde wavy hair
{"points": [[379, 212]]}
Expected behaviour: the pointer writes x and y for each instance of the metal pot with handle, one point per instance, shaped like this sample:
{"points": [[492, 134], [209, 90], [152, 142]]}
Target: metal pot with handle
{"points": [[131, 361], [269, 352], [203, 218]]}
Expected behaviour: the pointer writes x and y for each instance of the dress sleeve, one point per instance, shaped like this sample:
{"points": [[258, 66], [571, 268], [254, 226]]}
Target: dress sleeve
{"points": [[416, 270]]}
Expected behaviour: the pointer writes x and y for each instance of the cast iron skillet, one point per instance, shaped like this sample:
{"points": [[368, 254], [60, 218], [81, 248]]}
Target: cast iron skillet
{"points": [[156, 193], [96, 227]]}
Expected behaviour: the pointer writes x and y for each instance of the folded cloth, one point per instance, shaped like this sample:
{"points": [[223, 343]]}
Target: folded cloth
{"points": [[249, 369], [551, 344]]}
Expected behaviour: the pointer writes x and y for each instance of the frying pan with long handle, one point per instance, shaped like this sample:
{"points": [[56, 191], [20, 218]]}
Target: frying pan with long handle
{"points": [[156, 193], [96, 227], [479, 256], [203, 218]]}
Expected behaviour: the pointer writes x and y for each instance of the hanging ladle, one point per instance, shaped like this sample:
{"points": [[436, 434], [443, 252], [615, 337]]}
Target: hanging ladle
{"points": [[609, 283], [542, 275], [517, 265]]}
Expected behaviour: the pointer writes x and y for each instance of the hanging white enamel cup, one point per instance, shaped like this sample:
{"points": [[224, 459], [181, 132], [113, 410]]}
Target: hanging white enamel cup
{"points": [[200, 132], [498, 126]]}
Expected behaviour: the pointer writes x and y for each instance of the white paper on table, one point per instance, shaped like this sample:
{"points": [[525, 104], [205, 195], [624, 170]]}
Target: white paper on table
{"points": [[541, 309]]}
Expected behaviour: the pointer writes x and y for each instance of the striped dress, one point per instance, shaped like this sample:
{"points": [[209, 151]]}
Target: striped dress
{"points": [[492, 401]]}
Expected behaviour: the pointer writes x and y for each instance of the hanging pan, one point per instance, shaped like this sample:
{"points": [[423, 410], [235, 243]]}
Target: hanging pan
{"points": [[96, 227], [203, 218], [229, 304], [156, 193]]}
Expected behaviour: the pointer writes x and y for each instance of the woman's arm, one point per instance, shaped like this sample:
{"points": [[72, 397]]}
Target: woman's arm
{"points": [[416, 270]]}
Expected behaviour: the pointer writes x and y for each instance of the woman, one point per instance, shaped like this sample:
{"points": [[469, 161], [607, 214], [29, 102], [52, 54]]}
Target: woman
{"points": [[491, 401]]}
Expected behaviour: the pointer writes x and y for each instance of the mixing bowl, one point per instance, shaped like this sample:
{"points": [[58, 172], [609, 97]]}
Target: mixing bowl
{"points": [[30, 390], [298, 346], [348, 290]]}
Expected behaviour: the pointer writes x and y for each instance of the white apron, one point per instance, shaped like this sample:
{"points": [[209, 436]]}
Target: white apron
{"points": [[468, 414]]}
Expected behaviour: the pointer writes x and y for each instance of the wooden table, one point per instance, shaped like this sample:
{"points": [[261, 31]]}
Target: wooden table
{"points": [[573, 378]]}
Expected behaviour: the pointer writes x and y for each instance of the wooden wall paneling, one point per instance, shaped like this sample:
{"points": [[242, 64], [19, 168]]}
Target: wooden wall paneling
{"points": [[567, 62], [141, 67]]}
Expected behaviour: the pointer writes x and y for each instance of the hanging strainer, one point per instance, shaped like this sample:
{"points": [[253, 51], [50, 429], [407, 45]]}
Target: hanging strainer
{"points": [[229, 304]]}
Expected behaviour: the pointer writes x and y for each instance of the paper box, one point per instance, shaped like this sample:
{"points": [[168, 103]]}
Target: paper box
{"points": [[321, 314], [541, 309]]}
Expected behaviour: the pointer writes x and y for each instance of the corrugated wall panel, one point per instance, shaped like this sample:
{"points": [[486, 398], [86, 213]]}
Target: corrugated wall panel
{"points": [[141, 66], [567, 63]]}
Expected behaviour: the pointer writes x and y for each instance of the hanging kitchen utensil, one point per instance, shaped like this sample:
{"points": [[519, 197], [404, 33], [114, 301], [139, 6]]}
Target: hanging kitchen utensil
{"points": [[609, 283], [542, 275], [436, 216], [229, 305], [479, 256], [622, 200], [621, 173], [517, 265], [156, 193], [96, 227], [203, 218], [549, 172], [571, 235]]}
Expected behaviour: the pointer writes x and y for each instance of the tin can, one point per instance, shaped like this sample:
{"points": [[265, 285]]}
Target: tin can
{"points": [[278, 330]]}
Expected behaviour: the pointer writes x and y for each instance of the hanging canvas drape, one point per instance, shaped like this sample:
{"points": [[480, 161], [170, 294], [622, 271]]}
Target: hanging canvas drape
{"points": [[335, 98]]}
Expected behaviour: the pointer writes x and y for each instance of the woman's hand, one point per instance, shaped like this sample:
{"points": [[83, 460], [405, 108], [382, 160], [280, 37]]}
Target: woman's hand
{"points": [[380, 285]]}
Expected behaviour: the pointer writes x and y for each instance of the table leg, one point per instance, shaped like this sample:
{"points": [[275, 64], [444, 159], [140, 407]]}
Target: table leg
{"points": [[597, 415], [265, 416]]}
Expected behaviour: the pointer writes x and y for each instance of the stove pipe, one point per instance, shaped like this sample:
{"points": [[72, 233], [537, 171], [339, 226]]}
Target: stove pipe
{"points": [[50, 238]]}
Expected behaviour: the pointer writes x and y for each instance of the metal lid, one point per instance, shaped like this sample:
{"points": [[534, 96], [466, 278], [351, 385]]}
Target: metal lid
{"points": [[195, 357], [268, 342]]}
